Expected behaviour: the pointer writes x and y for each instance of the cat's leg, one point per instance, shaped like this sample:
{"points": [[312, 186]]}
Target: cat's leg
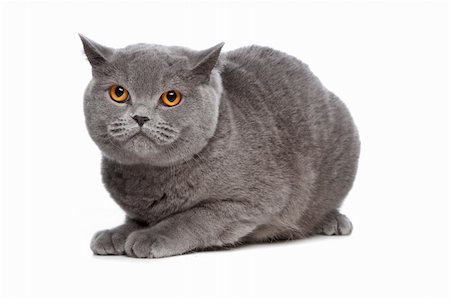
{"points": [[112, 241], [205, 225], [335, 223]]}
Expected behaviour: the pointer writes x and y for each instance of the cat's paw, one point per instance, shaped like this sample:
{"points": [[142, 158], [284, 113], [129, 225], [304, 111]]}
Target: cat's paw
{"points": [[144, 244], [108, 242], [336, 224]]}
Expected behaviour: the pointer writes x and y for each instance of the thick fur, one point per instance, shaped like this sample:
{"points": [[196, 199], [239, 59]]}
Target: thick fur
{"points": [[257, 150]]}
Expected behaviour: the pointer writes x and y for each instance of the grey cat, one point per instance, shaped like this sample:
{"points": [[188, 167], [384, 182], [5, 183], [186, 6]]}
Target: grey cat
{"points": [[203, 149]]}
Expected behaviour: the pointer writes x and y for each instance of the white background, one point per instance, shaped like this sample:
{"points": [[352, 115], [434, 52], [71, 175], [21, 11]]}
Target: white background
{"points": [[388, 61]]}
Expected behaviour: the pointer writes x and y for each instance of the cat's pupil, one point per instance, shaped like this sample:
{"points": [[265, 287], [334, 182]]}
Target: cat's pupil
{"points": [[171, 96], [119, 91]]}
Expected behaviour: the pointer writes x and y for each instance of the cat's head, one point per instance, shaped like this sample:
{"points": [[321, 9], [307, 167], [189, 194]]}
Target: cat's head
{"points": [[151, 104]]}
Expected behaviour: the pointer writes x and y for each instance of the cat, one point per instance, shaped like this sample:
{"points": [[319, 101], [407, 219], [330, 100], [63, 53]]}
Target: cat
{"points": [[204, 149]]}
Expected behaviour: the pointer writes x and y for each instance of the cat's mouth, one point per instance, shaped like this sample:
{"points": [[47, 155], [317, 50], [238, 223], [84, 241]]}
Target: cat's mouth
{"points": [[145, 142], [141, 144], [139, 134], [147, 139]]}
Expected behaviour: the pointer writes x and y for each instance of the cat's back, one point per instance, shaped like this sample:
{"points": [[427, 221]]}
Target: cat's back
{"points": [[273, 93], [254, 57], [266, 84], [272, 68], [267, 80]]}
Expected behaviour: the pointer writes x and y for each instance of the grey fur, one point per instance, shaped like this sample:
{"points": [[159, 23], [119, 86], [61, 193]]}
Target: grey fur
{"points": [[257, 150]]}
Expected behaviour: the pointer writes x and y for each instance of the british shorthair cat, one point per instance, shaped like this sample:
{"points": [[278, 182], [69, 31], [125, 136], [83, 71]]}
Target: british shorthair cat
{"points": [[204, 149]]}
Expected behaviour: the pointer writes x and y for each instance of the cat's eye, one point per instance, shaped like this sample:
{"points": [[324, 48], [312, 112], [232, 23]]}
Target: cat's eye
{"points": [[171, 98], [118, 93]]}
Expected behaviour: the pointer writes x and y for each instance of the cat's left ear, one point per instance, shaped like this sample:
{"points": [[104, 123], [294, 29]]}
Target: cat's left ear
{"points": [[205, 61], [95, 53]]}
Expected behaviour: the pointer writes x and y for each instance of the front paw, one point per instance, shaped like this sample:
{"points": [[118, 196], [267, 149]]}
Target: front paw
{"points": [[145, 244], [108, 242]]}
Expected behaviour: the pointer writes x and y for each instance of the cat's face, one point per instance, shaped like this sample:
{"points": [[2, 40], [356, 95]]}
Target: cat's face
{"points": [[151, 104]]}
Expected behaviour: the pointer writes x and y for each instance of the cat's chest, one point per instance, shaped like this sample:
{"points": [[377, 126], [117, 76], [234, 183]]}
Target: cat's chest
{"points": [[151, 194]]}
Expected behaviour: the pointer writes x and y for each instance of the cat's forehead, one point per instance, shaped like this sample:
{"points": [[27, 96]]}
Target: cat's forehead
{"points": [[153, 55], [148, 65]]}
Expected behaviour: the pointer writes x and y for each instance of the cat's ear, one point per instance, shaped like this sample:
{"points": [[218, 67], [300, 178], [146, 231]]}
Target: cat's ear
{"points": [[95, 53], [205, 61]]}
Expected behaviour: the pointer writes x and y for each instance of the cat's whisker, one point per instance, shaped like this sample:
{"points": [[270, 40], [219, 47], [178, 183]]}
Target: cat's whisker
{"points": [[171, 165], [113, 143], [199, 165], [201, 158], [186, 159], [198, 162]]}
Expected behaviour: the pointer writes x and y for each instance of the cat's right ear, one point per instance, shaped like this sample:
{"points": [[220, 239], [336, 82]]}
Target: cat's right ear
{"points": [[95, 53]]}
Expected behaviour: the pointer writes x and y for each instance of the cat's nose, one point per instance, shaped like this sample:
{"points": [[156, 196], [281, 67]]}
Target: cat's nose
{"points": [[140, 119]]}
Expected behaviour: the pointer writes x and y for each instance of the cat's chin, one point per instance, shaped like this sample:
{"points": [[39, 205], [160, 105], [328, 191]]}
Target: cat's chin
{"points": [[141, 149], [141, 146]]}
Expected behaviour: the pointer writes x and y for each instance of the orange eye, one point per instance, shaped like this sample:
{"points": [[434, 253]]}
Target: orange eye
{"points": [[171, 98], [118, 93]]}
